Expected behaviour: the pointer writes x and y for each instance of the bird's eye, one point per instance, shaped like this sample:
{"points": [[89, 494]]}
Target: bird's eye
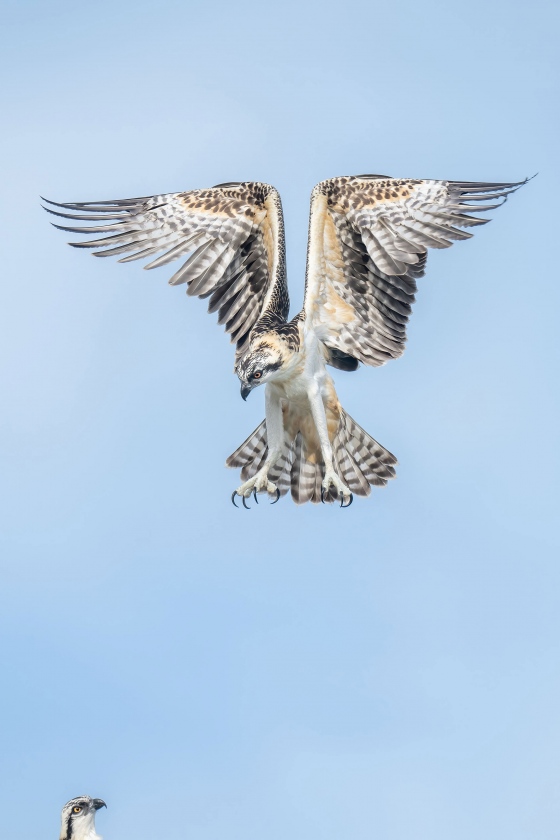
{"points": [[76, 809], [257, 374]]}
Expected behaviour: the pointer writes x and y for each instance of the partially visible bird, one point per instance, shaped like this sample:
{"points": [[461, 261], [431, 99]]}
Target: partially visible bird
{"points": [[368, 240], [78, 819]]}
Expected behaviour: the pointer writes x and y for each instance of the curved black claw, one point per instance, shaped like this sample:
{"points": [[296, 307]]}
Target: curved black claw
{"points": [[233, 495], [255, 496], [244, 500], [277, 497], [342, 500], [322, 494]]}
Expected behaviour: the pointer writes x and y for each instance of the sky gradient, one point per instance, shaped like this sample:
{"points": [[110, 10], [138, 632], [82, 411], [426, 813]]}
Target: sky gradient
{"points": [[388, 671]]}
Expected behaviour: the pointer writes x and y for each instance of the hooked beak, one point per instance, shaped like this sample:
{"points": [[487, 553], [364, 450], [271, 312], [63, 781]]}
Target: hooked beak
{"points": [[98, 803], [245, 391]]}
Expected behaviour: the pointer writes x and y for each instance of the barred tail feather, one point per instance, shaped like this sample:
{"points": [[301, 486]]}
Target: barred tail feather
{"points": [[360, 461], [251, 453], [281, 472], [377, 464], [303, 474]]}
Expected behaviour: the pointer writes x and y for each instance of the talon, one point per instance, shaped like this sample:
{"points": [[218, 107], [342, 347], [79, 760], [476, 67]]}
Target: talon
{"points": [[277, 497], [245, 503], [233, 495], [255, 496], [322, 495], [342, 505]]}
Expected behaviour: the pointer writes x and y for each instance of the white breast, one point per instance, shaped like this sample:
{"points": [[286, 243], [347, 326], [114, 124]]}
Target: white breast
{"points": [[307, 370]]}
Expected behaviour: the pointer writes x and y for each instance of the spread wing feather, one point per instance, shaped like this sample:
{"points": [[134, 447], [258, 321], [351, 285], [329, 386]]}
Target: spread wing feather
{"points": [[233, 235], [368, 242]]}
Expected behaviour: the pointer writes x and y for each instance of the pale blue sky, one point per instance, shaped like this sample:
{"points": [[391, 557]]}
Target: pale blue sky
{"points": [[389, 671]]}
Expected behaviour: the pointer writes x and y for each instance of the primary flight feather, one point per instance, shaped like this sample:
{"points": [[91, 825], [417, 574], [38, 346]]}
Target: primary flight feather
{"points": [[368, 241]]}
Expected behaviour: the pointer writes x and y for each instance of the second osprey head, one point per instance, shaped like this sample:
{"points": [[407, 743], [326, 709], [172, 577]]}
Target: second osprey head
{"points": [[78, 818]]}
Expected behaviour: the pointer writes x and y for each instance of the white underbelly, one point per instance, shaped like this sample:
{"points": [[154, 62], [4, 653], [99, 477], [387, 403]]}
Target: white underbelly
{"points": [[307, 373], [298, 386]]}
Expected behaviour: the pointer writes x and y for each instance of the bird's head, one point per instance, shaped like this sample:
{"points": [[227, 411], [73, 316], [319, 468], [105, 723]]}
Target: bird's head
{"points": [[260, 364], [78, 818]]}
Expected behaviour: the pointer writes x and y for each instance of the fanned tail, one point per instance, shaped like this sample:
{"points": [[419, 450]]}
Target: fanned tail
{"points": [[360, 461]]}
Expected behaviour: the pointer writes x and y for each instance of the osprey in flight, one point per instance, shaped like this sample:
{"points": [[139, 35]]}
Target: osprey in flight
{"points": [[78, 818], [368, 242]]}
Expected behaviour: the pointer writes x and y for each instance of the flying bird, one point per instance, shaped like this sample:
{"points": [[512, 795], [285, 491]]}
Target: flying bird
{"points": [[367, 246], [78, 819]]}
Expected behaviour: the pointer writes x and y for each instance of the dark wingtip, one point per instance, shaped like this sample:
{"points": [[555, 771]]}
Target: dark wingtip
{"points": [[54, 203]]}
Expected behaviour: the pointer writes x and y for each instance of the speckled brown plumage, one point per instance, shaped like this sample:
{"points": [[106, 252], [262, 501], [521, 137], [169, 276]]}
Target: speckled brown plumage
{"points": [[233, 234], [372, 241], [367, 246]]}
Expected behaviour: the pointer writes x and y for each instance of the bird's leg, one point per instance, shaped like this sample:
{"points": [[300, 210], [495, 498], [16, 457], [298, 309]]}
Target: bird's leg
{"points": [[331, 479], [259, 483]]}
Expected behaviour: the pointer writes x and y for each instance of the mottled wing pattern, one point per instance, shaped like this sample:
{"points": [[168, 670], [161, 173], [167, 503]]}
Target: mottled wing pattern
{"points": [[368, 241], [233, 235]]}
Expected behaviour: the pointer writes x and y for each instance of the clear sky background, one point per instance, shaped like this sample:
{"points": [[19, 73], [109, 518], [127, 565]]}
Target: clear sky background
{"points": [[388, 671]]}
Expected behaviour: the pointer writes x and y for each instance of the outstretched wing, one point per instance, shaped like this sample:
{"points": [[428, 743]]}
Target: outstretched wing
{"points": [[234, 234], [368, 242]]}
